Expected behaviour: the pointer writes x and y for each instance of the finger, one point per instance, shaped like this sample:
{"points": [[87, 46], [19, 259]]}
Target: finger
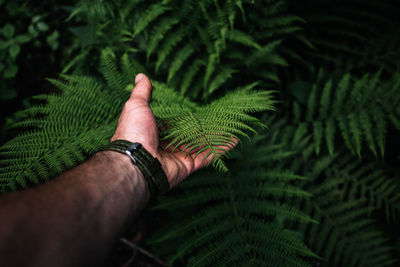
{"points": [[197, 150], [204, 158], [164, 146], [142, 90], [194, 149]]}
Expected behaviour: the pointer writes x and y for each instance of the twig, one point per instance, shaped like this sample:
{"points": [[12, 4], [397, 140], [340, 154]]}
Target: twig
{"points": [[142, 250]]}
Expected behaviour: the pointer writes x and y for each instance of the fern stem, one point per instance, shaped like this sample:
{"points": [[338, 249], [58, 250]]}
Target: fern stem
{"points": [[236, 214]]}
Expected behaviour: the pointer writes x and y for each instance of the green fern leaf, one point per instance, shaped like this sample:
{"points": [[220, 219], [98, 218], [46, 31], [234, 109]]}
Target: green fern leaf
{"points": [[344, 195], [170, 42], [220, 79], [233, 221], [148, 16], [243, 38], [359, 111], [70, 128], [179, 59], [159, 33]]}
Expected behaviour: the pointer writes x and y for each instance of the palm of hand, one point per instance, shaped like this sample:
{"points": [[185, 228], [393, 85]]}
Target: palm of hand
{"points": [[138, 124]]}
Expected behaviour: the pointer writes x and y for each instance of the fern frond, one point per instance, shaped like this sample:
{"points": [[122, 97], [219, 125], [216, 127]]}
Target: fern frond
{"points": [[236, 213], [179, 59], [211, 126], [149, 15], [348, 195], [358, 36], [159, 33], [71, 128], [359, 110], [208, 32], [343, 202]]}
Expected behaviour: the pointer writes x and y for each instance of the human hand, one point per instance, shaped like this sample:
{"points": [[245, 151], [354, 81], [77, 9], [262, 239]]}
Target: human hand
{"points": [[138, 124]]}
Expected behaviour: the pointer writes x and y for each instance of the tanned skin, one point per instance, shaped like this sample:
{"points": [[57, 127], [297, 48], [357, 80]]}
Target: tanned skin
{"points": [[76, 219]]}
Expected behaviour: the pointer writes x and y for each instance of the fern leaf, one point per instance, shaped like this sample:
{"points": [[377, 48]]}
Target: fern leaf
{"points": [[149, 16], [325, 100], [354, 129], [170, 42], [212, 60], [360, 110], [243, 38], [380, 121], [179, 59], [70, 128], [330, 129], [366, 124], [318, 135], [109, 69], [220, 79], [159, 33], [339, 202], [237, 207]]}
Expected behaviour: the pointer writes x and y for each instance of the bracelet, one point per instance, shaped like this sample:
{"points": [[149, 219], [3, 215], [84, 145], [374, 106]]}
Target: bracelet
{"points": [[148, 165]]}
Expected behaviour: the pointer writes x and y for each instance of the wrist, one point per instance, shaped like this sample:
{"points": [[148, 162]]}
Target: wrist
{"points": [[149, 165], [174, 169], [133, 178]]}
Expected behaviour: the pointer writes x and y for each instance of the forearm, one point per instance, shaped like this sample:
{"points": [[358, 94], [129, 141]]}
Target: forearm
{"points": [[75, 219]]}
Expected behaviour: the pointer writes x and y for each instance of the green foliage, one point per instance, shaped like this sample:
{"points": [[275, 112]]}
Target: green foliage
{"points": [[361, 36], [345, 196], [30, 51], [211, 127], [69, 128], [13, 39], [197, 45], [237, 219], [307, 192], [358, 109]]}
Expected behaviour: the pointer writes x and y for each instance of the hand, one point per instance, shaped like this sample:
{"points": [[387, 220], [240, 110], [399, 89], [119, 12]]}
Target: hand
{"points": [[138, 124]]}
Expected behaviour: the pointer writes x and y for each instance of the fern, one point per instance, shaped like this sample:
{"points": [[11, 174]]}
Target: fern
{"points": [[344, 237], [293, 188], [211, 126], [182, 37], [358, 36], [236, 218], [70, 128], [343, 202], [359, 110], [348, 195]]}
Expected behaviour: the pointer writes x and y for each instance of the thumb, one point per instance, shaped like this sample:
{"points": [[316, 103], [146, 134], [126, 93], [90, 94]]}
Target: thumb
{"points": [[142, 88]]}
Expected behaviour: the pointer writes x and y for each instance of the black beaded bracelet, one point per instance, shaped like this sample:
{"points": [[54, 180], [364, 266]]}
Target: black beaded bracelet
{"points": [[148, 165]]}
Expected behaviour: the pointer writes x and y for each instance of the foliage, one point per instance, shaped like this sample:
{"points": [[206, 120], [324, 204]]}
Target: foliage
{"points": [[343, 202], [362, 35], [215, 39], [320, 187], [349, 196], [359, 109], [69, 128], [12, 42], [244, 209], [28, 31]]}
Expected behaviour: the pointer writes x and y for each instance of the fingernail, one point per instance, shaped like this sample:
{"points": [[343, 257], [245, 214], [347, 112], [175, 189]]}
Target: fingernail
{"points": [[138, 77]]}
